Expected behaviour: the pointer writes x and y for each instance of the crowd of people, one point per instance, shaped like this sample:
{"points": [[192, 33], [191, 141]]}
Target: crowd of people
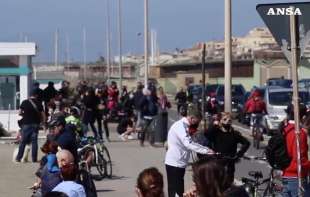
{"points": [[68, 114]]}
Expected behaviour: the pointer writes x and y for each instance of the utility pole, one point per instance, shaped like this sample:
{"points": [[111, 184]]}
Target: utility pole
{"points": [[294, 31], [120, 43], [146, 42], [108, 40], [84, 52], [203, 102], [227, 82], [67, 50], [56, 48]]}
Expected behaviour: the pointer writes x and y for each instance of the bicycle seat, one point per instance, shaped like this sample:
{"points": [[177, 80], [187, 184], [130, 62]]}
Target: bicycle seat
{"points": [[256, 174]]}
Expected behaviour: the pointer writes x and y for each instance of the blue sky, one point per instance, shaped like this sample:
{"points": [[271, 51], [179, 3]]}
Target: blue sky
{"points": [[179, 23]]}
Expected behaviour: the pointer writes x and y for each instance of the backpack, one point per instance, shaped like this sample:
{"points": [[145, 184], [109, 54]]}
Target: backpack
{"points": [[276, 152]]}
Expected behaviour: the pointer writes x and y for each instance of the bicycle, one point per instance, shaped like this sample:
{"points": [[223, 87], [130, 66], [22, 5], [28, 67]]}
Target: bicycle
{"points": [[257, 129], [85, 179], [96, 154], [252, 185]]}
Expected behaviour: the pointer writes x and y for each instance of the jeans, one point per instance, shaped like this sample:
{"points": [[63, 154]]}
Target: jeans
{"points": [[103, 121], [29, 134], [175, 178], [290, 187], [146, 133]]}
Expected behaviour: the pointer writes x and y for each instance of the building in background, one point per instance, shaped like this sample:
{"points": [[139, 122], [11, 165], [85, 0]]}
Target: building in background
{"points": [[15, 80]]}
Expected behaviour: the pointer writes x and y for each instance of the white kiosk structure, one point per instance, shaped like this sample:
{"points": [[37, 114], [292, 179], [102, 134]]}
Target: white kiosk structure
{"points": [[15, 80]]}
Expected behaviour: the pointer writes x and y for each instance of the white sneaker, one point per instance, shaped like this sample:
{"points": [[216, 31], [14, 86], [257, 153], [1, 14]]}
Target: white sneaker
{"points": [[130, 137], [122, 137]]}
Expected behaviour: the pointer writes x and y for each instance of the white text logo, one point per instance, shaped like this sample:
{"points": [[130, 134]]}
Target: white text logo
{"points": [[283, 11]]}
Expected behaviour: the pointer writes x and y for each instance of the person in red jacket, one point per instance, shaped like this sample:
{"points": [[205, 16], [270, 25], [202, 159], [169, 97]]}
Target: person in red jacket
{"points": [[290, 174], [255, 106], [112, 96]]}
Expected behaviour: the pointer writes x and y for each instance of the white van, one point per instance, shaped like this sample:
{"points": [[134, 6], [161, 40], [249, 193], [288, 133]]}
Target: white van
{"points": [[277, 99]]}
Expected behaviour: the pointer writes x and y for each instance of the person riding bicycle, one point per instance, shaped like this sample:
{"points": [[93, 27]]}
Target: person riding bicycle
{"points": [[74, 120], [181, 99], [63, 135], [224, 139], [255, 106]]}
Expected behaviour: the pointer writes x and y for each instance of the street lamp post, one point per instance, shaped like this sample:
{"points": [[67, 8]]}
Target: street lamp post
{"points": [[146, 42], [108, 40], [227, 81], [120, 43], [84, 53]]}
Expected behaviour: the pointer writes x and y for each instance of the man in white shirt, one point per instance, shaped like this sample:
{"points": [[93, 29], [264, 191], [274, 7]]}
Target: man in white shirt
{"points": [[180, 145]]}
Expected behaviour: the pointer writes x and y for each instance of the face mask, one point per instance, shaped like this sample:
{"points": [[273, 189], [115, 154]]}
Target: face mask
{"points": [[227, 126], [193, 128]]}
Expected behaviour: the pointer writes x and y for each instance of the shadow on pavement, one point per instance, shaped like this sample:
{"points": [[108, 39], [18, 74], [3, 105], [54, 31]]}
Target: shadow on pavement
{"points": [[104, 190]]}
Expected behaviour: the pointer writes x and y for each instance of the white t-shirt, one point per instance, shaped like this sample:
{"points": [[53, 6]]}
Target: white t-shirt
{"points": [[180, 145], [71, 188]]}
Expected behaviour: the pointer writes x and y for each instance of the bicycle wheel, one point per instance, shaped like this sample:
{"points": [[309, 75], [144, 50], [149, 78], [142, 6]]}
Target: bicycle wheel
{"points": [[254, 138], [100, 165], [270, 191], [88, 183], [258, 139], [107, 161]]}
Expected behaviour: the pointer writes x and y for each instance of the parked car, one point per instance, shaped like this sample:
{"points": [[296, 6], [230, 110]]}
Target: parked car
{"points": [[195, 91], [237, 94], [277, 99], [280, 82], [211, 89], [304, 83]]}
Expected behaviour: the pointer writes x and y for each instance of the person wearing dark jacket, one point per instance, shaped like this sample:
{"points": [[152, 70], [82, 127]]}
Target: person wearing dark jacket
{"points": [[149, 109], [181, 99], [224, 139], [63, 135], [91, 103], [137, 98], [32, 114], [49, 92], [101, 114], [36, 87]]}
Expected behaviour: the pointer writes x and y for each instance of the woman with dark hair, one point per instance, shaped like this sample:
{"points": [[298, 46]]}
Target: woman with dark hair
{"points": [[210, 179], [91, 103], [150, 183]]}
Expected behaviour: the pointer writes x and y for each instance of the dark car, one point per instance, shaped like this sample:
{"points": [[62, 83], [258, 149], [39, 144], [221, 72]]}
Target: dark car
{"points": [[211, 89], [281, 82], [195, 91], [238, 93]]}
